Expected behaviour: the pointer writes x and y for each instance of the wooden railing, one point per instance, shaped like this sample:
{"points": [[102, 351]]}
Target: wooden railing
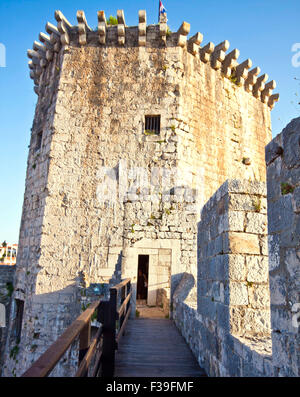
{"points": [[113, 316]]}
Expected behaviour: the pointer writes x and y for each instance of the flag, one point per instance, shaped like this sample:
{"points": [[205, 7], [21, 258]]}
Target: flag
{"points": [[162, 9]]}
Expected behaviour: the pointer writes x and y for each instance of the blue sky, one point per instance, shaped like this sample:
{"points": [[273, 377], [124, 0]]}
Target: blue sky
{"points": [[263, 30]]}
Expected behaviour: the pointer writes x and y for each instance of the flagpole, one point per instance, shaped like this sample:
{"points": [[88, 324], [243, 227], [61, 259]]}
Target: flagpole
{"points": [[158, 10]]}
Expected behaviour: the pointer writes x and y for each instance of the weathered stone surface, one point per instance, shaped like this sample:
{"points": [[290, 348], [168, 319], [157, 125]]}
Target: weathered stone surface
{"points": [[237, 267], [284, 248], [89, 207], [233, 285], [238, 294], [257, 269], [243, 243], [7, 274]]}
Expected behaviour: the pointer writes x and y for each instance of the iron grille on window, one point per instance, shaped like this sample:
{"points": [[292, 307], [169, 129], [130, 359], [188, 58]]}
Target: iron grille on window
{"points": [[152, 124]]}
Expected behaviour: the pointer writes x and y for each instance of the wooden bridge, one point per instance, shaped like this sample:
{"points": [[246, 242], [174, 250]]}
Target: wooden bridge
{"points": [[121, 347]]}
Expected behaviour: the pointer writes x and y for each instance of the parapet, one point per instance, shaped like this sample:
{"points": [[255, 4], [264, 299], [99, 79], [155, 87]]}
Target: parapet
{"points": [[143, 35]]}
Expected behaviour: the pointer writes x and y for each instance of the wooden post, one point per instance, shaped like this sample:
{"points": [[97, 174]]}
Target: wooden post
{"points": [[128, 292], [84, 342], [109, 335]]}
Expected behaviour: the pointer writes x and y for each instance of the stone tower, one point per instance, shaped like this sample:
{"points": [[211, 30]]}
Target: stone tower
{"points": [[135, 128]]}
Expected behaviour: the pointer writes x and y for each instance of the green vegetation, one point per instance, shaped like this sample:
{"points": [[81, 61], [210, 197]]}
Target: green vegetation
{"points": [[10, 289], [33, 348], [94, 316], [84, 307], [149, 132], [257, 204], [287, 188], [137, 313], [112, 20], [233, 79], [14, 352]]}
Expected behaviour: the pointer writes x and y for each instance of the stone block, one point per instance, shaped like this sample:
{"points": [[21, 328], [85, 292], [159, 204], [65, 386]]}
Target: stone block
{"points": [[274, 251], [238, 294], [241, 202], [280, 351], [278, 289], [237, 267], [257, 269], [280, 214], [257, 322], [243, 243], [281, 320], [206, 307], [256, 223], [246, 187], [223, 319], [290, 140], [235, 221], [273, 180], [259, 296], [296, 200]]}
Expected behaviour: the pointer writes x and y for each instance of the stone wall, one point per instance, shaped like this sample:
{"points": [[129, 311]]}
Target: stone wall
{"points": [[283, 176], [6, 289], [229, 327], [225, 127], [166, 230], [89, 142]]}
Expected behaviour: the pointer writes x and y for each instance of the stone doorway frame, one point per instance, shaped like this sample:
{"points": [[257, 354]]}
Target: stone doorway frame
{"points": [[150, 247]]}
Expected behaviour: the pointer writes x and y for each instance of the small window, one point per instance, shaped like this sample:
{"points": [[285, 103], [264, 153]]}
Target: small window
{"points": [[152, 124], [19, 319], [39, 138]]}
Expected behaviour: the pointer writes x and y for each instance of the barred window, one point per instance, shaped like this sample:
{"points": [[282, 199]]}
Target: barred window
{"points": [[152, 124]]}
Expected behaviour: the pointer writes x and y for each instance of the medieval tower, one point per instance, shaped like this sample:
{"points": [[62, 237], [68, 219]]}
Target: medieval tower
{"points": [[135, 128]]}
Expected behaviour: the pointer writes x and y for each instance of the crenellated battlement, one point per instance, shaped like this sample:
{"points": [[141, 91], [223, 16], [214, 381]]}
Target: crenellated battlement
{"points": [[65, 34]]}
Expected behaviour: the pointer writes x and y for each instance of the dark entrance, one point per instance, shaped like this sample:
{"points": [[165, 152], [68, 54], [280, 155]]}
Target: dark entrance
{"points": [[142, 277]]}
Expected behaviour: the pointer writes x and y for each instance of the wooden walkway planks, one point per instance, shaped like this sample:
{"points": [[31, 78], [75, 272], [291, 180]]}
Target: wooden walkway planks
{"points": [[153, 348]]}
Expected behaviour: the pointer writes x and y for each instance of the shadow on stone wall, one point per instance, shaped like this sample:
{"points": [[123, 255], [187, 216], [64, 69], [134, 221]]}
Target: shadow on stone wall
{"points": [[57, 317], [227, 323]]}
